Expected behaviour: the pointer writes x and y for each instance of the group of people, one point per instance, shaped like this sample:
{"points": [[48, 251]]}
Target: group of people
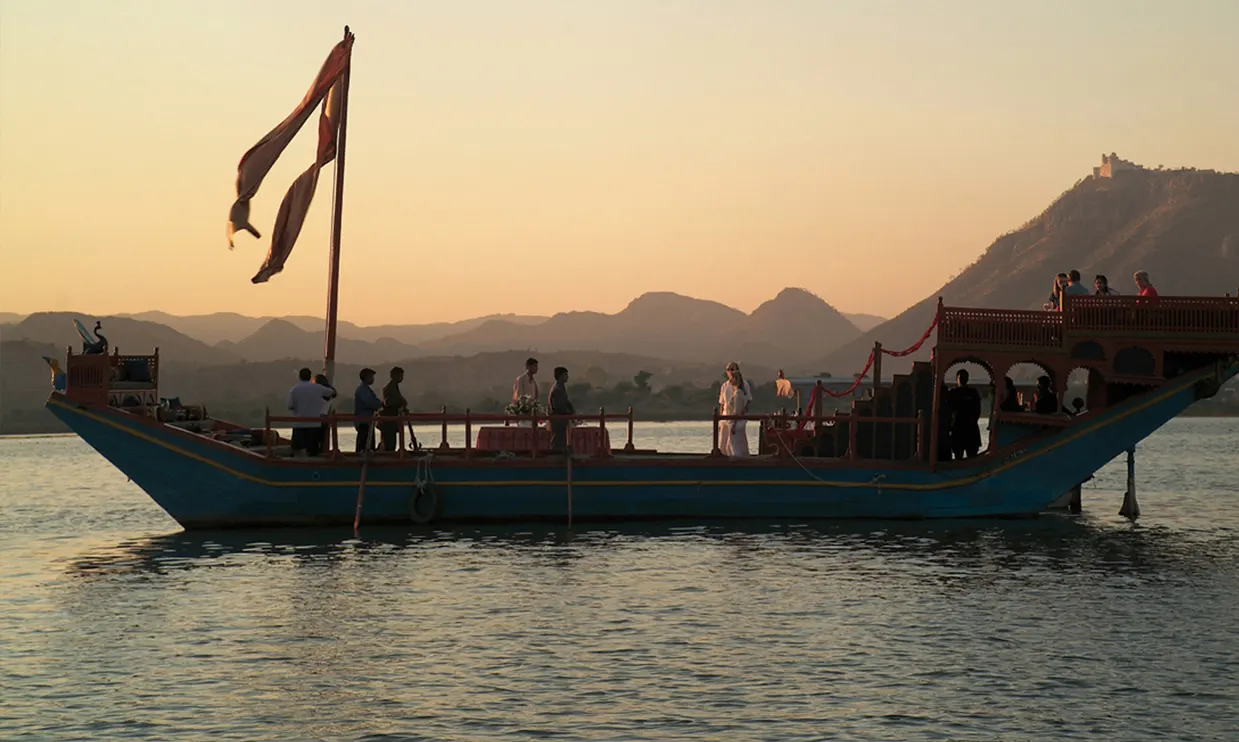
{"points": [[312, 397], [959, 422], [1070, 283]]}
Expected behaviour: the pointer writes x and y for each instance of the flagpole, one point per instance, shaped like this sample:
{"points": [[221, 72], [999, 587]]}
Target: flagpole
{"points": [[337, 198]]}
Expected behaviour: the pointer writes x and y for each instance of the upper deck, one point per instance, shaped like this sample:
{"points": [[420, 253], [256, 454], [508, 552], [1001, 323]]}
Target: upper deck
{"points": [[1174, 322]]}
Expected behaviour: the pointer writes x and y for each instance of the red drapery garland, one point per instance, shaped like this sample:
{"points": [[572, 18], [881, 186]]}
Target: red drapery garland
{"points": [[869, 363]]}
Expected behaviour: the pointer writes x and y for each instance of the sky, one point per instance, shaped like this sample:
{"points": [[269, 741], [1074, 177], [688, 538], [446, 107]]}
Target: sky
{"points": [[558, 155]]}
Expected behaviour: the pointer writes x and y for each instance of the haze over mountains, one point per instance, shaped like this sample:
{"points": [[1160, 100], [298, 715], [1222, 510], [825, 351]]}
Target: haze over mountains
{"points": [[1182, 226], [790, 328]]}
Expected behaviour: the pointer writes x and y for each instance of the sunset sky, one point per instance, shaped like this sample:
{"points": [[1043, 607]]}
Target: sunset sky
{"points": [[552, 155]]}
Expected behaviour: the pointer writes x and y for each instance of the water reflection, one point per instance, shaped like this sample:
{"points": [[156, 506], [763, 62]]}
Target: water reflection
{"points": [[1058, 543]]}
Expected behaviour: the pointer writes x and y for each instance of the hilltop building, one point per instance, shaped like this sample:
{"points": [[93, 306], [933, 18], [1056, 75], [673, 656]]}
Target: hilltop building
{"points": [[1112, 164]]}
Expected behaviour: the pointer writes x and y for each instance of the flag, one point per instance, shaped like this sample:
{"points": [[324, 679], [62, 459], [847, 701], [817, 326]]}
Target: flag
{"points": [[257, 162]]}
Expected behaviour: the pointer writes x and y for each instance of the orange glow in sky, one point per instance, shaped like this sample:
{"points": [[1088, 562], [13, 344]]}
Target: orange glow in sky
{"points": [[554, 155]]}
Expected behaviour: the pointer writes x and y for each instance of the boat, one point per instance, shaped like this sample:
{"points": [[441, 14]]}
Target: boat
{"points": [[1146, 360]]}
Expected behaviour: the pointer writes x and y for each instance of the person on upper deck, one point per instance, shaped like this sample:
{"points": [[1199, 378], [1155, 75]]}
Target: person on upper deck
{"points": [[734, 398], [526, 385], [1145, 286], [1010, 397], [394, 405], [306, 399], [1101, 286], [964, 403], [1074, 286], [1055, 302], [1047, 400], [557, 403], [365, 404]]}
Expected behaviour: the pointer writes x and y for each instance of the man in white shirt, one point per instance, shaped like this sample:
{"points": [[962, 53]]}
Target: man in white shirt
{"points": [[307, 399], [734, 398], [526, 385]]}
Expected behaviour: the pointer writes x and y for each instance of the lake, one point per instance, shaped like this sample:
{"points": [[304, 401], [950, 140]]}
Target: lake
{"points": [[116, 625]]}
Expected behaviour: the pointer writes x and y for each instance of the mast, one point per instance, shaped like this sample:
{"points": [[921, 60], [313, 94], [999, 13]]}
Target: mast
{"points": [[337, 201]]}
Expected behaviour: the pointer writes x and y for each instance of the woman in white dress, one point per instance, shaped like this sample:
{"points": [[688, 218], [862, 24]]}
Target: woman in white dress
{"points": [[733, 399]]}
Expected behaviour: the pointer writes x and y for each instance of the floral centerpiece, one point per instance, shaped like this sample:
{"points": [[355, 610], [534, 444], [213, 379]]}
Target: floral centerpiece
{"points": [[524, 405]]}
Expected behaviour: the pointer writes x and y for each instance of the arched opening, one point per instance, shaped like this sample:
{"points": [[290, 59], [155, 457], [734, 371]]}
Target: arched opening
{"points": [[1036, 389], [966, 396], [1079, 395]]}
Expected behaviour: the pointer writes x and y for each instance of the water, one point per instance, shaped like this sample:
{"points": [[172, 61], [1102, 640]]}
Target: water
{"points": [[114, 625]]}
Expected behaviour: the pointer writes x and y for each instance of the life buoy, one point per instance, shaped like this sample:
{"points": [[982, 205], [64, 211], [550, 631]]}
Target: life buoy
{"points": [[424, 503]]}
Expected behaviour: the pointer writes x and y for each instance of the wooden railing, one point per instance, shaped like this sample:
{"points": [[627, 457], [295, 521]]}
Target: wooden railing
{"points": [[790, 427], [1189, 316], [443, 419], [1193, 315], [89, 378], [1005, 327]]}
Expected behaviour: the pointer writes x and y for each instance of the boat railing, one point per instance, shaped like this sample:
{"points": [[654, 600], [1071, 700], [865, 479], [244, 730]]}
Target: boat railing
{"points": [[444, 419], [1193, 315], [788, 429], [1014, 328], [91, 378], [1089, 316]]}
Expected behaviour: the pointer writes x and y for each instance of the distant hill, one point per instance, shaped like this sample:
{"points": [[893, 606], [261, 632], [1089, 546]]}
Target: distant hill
{"points": [[279, 339], [129, 335], [794, 326], [10, 318], [1180, 225], [864, 322], [220, 326]]}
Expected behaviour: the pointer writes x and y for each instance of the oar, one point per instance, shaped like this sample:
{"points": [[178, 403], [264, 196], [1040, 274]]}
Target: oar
{"points": [[365, 468], [569, 452]]}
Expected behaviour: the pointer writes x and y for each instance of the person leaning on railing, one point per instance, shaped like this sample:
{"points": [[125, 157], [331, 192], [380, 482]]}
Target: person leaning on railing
{"points": [[394, 405], [1143, 283], [365, 404]]}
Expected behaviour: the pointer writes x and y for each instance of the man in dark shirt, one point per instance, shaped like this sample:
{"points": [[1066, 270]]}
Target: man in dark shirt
{"points": [[559, 404], [965, 405], [394, 405], [365, 404]]}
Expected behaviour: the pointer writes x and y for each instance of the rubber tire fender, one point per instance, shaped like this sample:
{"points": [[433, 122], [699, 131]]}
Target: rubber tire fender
{"points": [[424, 503]]}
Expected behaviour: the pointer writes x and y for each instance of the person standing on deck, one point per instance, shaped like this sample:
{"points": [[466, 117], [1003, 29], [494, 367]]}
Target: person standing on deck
{"points": [[365, 404], [557, 403], [1055, 303], [965, 405], [734, 397], [526, 385], [1145, 286], [394, 405], [306, 400], [1074, 286]]}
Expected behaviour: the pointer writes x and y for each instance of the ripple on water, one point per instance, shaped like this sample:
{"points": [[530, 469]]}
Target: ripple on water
{"points": [[114, 625]]}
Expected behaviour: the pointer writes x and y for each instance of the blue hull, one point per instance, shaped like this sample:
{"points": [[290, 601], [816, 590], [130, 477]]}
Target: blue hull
{"points": [[202, 484]]}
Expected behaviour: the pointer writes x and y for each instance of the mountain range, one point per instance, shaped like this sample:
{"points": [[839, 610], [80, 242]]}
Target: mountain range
{"points": [[786, 330], [1180, 225]]}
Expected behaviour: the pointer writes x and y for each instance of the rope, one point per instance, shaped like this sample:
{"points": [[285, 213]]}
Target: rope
{"points": [[876, 481], [893, 353], [423, 475]]}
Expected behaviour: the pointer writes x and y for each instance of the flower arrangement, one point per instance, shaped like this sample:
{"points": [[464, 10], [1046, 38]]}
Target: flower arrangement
{"points": [[524, 405]]}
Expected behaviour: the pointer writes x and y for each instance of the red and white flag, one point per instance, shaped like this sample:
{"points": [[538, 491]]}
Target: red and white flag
{"points": [[257, 162]]}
